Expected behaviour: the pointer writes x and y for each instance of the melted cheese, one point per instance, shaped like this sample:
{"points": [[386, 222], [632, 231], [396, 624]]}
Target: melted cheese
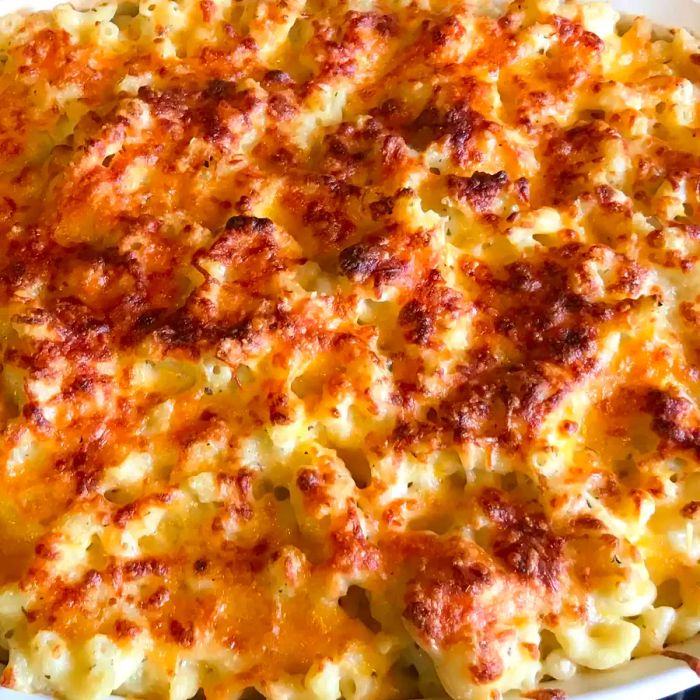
{"points": [[349, 349]]}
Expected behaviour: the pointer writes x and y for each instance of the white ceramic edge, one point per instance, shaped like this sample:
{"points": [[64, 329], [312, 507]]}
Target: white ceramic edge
{"points": [[647, 678]]}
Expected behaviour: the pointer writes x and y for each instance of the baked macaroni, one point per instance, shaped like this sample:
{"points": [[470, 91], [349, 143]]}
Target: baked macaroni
{"points": [[349, 349]]}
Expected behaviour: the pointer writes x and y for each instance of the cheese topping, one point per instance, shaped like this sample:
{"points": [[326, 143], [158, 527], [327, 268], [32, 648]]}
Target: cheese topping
{"points": [[349, 349]]}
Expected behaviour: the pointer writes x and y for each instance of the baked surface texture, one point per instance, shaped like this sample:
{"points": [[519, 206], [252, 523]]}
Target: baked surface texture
{"points": [[349, 349]]}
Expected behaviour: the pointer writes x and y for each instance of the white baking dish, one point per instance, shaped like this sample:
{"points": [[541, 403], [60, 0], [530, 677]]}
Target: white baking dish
{"points": [[648, 678]]}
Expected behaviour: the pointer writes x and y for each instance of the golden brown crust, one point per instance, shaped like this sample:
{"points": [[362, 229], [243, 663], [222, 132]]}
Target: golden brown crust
{"points": [[327, 333]]}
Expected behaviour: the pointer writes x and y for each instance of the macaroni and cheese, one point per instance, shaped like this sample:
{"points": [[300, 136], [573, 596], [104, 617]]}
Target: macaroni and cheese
{"points": [[350, 348]]}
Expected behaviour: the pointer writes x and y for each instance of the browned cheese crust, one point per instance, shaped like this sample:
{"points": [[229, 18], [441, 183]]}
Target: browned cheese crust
{"points": [[348, 348]]}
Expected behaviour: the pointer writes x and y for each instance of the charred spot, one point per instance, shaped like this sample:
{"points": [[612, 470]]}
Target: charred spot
{"points": [[220, 89], [390, 106], [277, 77], [429, 118], [15, 274], [480, 189], [470, 576], [281, 107], [124, 514], [691, 510], [568, 427], [244, 482], [171, 103], [573, 344], [668, 413], [530, 302], [381, 207], [236, 223], [139, 568], [279, 408], [182, 634], [588, 522], [261, 548], [45, 551], [360, 261], [372, 259], [369, 146], [337, 148], [573, 34], [433, 302], [524, 541], [183, 330], [392, 113], [408, 433], [506, 403], [569, 156], [201, 565], [33, 413], [308, 480], [522, 189], [86, 482], [83, 384], [384, 24], [546, 694], [387, 25], [440, 600], [241, 331], [488, 667], [420, 614], [415, 314], [148, 320], [340, 189], [158, 598], [444, 33], [469, 416], [393, 150], [607, 197], [124, 629], [523, 278], [459, 124], [666, 407], [330, 224]]}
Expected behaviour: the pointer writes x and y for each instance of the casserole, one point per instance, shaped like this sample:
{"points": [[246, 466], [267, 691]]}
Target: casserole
{"points": [[358, 262]]}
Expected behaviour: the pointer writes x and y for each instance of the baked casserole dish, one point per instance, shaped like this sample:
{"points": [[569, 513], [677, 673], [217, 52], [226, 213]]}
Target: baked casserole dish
{"points": [[349, 348]]}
